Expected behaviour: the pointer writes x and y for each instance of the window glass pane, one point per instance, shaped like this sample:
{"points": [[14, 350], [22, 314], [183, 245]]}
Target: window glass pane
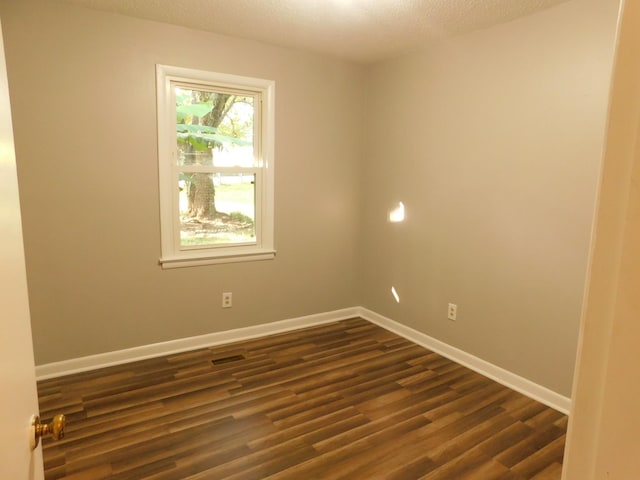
{"points": [[216, 208], [214, 128]]}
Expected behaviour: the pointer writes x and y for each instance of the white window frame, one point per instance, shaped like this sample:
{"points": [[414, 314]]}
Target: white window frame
{"points": [[172, 254]]}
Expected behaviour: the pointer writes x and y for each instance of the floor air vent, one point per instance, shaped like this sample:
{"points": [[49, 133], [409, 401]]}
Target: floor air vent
{"points": [[232, 358]]}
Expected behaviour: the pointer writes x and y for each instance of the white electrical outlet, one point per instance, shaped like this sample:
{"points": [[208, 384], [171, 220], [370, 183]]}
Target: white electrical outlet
{"points": [[452, 312], [227, 300]]}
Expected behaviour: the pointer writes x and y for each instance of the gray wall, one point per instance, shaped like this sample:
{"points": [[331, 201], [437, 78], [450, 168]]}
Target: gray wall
{"points": [[84, 107], [493, 142]]}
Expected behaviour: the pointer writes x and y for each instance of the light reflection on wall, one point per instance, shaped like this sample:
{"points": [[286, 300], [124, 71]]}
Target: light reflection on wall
{"points": [[395, 294], [397, 214]]}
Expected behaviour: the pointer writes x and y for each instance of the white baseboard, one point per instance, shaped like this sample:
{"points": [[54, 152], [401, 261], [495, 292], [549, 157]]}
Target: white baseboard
{"points": [[93, 362], [500, 375]]}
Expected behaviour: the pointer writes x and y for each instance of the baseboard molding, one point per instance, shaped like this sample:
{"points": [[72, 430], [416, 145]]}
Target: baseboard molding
{"points": [[500, 375], [93, 362]]}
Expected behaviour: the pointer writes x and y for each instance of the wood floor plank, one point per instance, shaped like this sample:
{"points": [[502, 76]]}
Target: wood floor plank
{"points": [[342, 400]]}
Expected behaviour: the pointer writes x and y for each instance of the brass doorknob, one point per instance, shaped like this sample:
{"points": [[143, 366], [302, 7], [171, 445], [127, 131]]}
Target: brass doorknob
{"points": [[38, 430]]}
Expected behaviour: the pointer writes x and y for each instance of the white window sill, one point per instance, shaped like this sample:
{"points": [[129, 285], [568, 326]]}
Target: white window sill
{"points": [[194, 260]]}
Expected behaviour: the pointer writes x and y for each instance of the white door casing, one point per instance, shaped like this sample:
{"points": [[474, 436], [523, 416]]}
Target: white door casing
{"points": [[18, 396]]}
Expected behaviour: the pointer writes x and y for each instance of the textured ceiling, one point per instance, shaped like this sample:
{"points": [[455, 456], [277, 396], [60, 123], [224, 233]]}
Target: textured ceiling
{"points": [[359, 30]]}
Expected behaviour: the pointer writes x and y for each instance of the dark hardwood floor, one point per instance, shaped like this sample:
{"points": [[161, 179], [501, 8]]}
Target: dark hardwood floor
{"points": [[348, 400]]}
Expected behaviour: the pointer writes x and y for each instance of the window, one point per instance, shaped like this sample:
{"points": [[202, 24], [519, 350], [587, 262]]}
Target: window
{"points": [[215, 154]]}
